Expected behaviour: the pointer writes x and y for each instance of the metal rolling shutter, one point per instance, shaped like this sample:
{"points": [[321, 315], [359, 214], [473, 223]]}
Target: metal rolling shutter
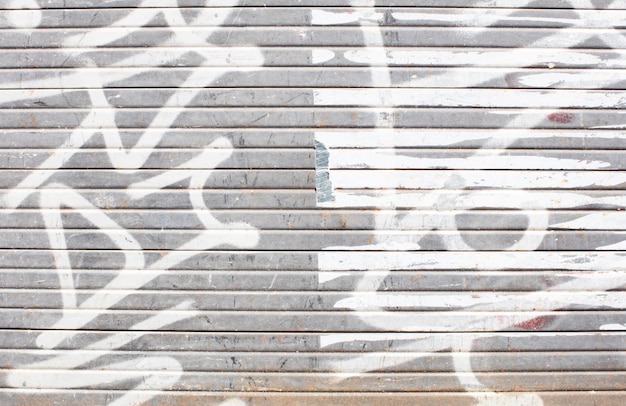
{"points": [[265, 202]]}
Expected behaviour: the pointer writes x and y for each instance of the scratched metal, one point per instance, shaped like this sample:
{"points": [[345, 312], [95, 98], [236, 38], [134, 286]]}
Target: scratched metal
{"points": [[351, 202]]}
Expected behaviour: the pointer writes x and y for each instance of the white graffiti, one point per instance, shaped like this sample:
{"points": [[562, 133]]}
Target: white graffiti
{"points": [[155, 373], [451, 190]]}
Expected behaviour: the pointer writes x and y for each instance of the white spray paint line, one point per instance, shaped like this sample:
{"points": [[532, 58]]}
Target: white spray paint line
{"points": [[123, 239], [102, 118], [324, 18], [325, 277], [500, 98], [184, 35], [145, 368], [132, 160], [610, 127], [434, 179], [399, 138], [464, 199], [319, 56], [613, 327], [102, 300], [515, 122], [208, 158], [233, 402], [486, 19], [471, 381], [547, 79], [471, 260], [506, 399], [614, 220], [442, 220], [138, 16], [141, 16], [444, 57], [461, 77], [466, 17], [388, 159], [24, 14], [430, 342], [74, 78], [545, 300], [214, 56]]}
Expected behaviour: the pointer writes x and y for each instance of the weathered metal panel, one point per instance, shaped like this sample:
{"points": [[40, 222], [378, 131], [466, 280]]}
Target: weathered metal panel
{"points": [[260, 202]]}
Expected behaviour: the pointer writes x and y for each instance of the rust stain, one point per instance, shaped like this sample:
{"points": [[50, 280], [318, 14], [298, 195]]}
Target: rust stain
{"points": [[343, 224], [534, 324], [561, 118]]}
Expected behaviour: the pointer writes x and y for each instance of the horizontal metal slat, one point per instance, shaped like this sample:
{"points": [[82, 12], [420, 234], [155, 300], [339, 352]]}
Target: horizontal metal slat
{"points": [[185, 138], [315, 36], [274, 382], [283, 56], [283, 280], [308, 117], [325, 76], [359, 343], [305, 97], [518, 159], [398, 362], [305, 240], [334, 321], [162, 158], [285, 219], [476, 179], [300, 16], [146, 300], [475, 138], [13, 397], [136, 179], [582, 139], [547, 4]]}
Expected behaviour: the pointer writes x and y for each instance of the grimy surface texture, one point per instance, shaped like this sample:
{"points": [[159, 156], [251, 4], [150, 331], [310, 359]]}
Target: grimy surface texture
{"points": [[313, 202]]}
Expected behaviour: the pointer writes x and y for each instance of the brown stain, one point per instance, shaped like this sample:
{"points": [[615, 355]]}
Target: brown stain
{"points": [[343, 224]]}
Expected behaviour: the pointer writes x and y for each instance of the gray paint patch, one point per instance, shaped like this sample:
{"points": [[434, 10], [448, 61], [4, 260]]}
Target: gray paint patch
{"points": [[323, 185]]}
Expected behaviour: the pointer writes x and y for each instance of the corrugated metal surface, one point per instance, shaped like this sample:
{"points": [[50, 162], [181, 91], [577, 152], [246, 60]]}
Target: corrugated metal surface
{"points": [[264, 202]]}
